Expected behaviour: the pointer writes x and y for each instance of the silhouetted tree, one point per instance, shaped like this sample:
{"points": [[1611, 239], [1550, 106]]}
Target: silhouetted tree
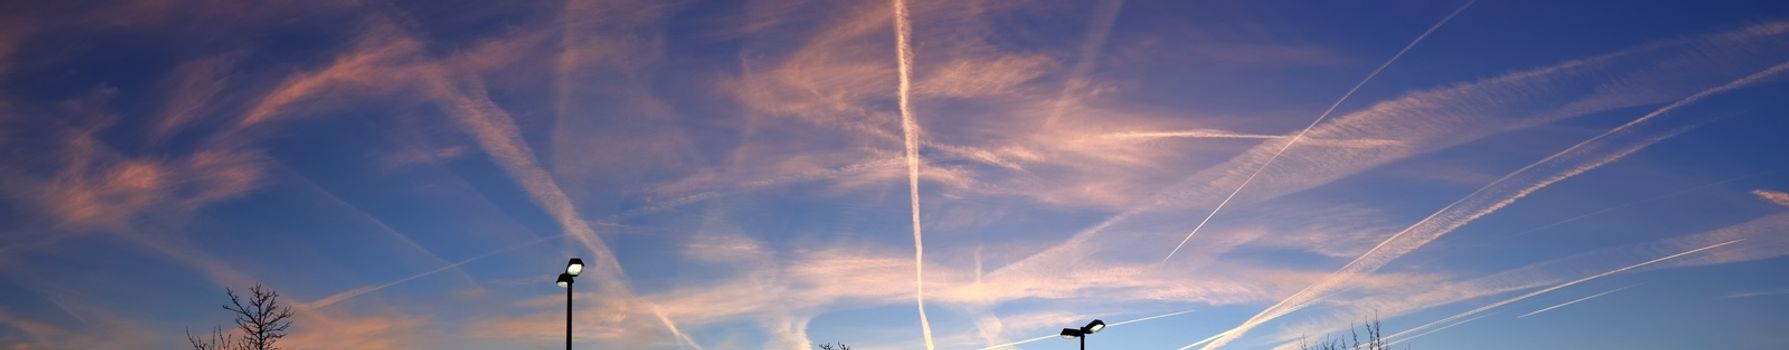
{"points": [[834, 346], [1375, 339], [261, 322]]}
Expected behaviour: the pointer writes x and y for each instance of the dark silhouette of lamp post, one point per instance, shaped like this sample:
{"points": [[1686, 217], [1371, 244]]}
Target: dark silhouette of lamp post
{"points": [[1083, 332], [572, 269]]}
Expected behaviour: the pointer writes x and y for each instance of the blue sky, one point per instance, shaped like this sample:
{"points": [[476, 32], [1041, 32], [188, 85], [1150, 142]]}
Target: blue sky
{"points": [[743, 175]]}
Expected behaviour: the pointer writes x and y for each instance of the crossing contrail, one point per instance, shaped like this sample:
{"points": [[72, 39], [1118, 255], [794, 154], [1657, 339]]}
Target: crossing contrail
{"points": [[1307, 128], [1479, 203], [1592, 296], [356, 292], [1193, 133], [1481, 309], [910, 132], [1096, 38], [1420, 335], [1115, 324]]}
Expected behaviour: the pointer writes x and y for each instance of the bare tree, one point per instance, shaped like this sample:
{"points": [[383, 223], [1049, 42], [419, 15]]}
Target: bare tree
{"points": [[261, 322], [219, 340], [834, 346], [1375, 339]]}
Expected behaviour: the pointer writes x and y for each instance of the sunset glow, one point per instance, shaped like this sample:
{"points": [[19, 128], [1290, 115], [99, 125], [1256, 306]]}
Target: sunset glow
{"points": [[897, 174]]}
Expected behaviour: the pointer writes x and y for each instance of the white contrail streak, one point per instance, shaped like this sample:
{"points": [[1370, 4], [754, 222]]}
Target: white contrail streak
{"points": [[498, 135], [1192, 133], [356, 292], [1420, 335], [1307, 128], [1208, 339], [1472, 207], [1756, 294], [910, 132], [674, 330], [1592, 296], [1115, 324], [1171, 314], [1021, 342], [1643, 201], [1480, 309]]}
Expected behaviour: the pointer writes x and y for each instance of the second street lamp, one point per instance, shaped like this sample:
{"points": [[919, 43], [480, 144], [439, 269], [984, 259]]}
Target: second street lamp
{"points": [[572, 269], [1090, 328]]}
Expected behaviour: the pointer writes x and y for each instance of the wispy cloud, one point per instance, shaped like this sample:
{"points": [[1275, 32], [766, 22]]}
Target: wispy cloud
{"points": [[1577, 159], [1095, 39], [1765, 293], [1307, 129], [1775, 197], [1481, 309]]}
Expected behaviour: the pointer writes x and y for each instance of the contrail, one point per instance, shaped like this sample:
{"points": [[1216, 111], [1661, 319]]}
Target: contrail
{"points": [[1192, 133], [910, 132], [1307, 128], [1223, 334], [1471, 207], [1225, 134], [674, 330], [1643, 201], [1171, 314], [1755, 294], [497, 133], [1480, 309], [1116, 324], [1096, 38], [356, 292], [1592, 296], [387, 229], [1021, 342], [471, 107], [1420, 335]]}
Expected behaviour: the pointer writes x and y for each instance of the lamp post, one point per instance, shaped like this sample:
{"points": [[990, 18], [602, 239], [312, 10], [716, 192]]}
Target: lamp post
{"points": [[572, 269], [1090, 328]]}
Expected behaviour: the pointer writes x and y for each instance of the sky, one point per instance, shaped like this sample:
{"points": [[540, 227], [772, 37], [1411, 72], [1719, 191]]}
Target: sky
{"points": [[914, 174]]}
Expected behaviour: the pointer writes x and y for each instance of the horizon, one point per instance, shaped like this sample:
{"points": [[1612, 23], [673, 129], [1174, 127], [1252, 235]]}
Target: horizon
{"points": [[901, 174]]}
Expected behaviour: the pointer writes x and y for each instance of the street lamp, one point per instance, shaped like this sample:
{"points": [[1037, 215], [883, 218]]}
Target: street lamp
{"points": [[572, 269], [1090, 328]]}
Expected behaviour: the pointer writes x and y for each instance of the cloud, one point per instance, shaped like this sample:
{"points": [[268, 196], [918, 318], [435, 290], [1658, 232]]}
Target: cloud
{"points": [[318, 329], [379, 63], [1602, 149], [194, 93], [1754, 294], [1774, 197], [1756, 238], [1532, 294], [1307, 129], [1421, 122]]}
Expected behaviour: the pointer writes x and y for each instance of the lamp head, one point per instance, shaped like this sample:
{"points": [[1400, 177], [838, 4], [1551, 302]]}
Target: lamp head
{"points": [[1071, 333], [1094, 327], [575, 266], [564, 280]]}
